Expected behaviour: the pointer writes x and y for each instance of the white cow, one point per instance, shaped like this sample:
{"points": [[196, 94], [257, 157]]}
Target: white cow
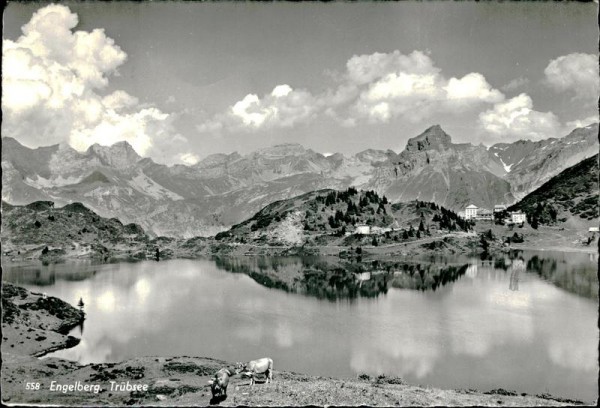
{"points": [[260, 366]]}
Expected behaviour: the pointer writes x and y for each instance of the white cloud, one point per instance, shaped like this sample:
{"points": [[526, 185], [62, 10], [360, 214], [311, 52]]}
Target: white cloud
{"points": [[281, 91], [249, 111], [515, 119], [364, 69], [284, 107], [189, 158], [52, 86], [578, 123], [375, 88], [575, 72], [515, 84], [411, 87], [119, 100], [472, 87], [135, 128]]}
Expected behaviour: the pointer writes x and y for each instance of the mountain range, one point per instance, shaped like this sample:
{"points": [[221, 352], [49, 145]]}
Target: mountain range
{"points": [[225, 189]]}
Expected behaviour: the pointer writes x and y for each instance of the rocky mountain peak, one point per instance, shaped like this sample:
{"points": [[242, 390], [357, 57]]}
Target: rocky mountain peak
{"points": [[120, 155], [217, 159], [285, 149], [434, 138], [9, 141], [583, 132], [372, 155]]}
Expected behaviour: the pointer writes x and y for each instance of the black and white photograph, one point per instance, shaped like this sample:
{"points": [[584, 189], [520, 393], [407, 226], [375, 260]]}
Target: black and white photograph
{"points": [[240, 203]]}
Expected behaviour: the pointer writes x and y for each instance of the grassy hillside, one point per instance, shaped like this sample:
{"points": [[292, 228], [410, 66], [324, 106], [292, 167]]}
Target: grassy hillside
{"points": [[572, 193], [315, 213], [329, 217], [75, 229]]}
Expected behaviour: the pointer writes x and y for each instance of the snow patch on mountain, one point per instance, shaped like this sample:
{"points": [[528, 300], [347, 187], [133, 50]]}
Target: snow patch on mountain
{"points": [[258, 197], [507, 167], [41, 182], [147, 186]]}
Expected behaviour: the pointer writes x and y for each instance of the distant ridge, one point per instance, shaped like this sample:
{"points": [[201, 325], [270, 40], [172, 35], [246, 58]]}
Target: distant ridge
{"points": [[224, 189]]}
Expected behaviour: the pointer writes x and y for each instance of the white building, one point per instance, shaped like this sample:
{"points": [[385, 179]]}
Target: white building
{"points": [[362, 229], [364, 276], [499, 208], [517, 217], [471, 212], [379, 230]]}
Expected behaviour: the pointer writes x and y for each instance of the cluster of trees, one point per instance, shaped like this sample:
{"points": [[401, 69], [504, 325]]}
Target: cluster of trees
{"points": [[358, 207], [543, 213], [516, 238], [339, 219], [587, 207], [570, 190], [451, 221], [485, 239], [338, 196], [412, 233], [423, 204], [500, 216]]}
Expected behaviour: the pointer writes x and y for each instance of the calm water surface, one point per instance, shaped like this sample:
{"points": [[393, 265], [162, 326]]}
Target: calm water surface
{"points": [[527, 324]]}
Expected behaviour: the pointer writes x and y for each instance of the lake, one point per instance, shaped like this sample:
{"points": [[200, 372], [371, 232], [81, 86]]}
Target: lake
{"points": [[525, 321]]}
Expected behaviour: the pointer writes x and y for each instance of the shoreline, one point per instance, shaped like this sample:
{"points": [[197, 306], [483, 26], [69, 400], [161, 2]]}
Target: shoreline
{"points": [[183, 380], [587, 250]]}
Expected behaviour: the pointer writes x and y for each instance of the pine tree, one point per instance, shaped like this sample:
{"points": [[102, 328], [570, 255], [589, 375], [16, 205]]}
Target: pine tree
{"points": [[484, 244], [332, 222], [534, 222]]}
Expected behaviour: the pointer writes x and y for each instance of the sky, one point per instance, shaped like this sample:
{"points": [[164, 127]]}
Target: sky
{"points": [[182, 80]]}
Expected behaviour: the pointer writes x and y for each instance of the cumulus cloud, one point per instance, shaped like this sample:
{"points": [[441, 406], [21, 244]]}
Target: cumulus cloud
{"points": [[412, 87], [374, 88], [515, 84], [52, 85], [577, 73], [364, 69], [515, 119], [380, 87], [472, 87], [283, 107]]}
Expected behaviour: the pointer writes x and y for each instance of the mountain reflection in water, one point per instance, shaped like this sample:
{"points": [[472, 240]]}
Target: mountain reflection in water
{"points": [[332, 278], [572, 272]]}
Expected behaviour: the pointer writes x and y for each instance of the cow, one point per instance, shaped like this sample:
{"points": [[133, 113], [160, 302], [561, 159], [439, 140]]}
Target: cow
{"points": [[254, 367], [218, 385]]}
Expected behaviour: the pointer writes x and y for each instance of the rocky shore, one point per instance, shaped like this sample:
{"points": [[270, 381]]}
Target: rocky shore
{"points": [[33, 325]]}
